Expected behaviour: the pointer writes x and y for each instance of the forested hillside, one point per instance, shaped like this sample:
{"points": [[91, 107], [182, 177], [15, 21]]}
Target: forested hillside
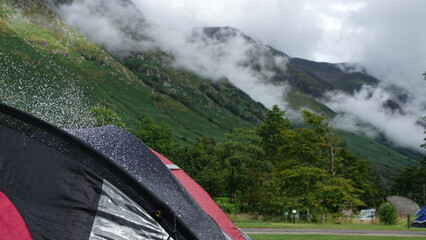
{"points": [[229, 142], [52, 71]]}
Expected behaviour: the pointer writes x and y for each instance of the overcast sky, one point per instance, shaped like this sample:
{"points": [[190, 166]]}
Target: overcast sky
{"points": [[388, 37]]}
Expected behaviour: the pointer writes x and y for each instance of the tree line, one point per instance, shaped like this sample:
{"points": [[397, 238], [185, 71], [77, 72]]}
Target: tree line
{"points": [[277, 166], [272, 168]]}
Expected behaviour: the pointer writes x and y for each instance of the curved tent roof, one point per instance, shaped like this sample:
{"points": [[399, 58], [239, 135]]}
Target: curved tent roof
{"points": [[66, 188], [420, 220], [204, 199], [132, 155], [405, 206]]}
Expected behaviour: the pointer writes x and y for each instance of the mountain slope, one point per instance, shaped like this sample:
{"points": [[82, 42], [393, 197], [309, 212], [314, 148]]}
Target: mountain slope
{"points": [[51, 70], [345, 77], [55, 73]]}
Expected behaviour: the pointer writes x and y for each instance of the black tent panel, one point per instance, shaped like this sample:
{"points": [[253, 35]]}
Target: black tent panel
{"points": [[55, 180], [137, 159], [56, 197], [54, 154]]}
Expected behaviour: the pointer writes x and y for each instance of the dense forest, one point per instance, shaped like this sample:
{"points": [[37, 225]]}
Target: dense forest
{"points": [[272, 168], [277, 166]]}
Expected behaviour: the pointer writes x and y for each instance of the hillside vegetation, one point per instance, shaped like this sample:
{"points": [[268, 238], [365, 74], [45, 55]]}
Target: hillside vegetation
{"points": [[55, 73], [49, 69]]}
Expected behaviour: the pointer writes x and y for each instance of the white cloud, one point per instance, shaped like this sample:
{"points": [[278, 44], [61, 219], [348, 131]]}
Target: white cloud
{"points": [[364, 112], [107, 23], [215, 59], [387, 38]]}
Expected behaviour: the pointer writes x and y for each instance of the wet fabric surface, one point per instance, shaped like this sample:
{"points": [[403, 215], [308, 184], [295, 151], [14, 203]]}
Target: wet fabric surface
{"points": [[120, 218], [137, 159]]}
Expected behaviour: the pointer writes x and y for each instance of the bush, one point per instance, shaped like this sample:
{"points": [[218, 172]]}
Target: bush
{"points": [[388, 213], [105, 116], [234, 208]]}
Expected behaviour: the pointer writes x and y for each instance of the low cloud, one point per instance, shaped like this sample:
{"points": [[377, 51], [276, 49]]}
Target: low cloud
{"points": [[353, 31], [231, 57], [117, 26], [364, 112], [121, 29]]}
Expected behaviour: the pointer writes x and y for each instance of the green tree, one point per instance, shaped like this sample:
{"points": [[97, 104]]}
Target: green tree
{"points": [[105, 116], [314, 145], [270, 132], [155, 135], [408, 183], [326, 139], [364, 177], [197, 161], [240, 156], [317, 191], [312, 171], [388, 213]]}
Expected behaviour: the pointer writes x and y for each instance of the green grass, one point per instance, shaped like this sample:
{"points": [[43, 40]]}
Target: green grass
{"points": [[354, 226], [323, 237]]}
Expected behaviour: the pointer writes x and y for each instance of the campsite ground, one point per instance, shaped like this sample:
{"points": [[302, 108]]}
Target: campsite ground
{"points": [[323, 237], [344, 231], [348, 226]]}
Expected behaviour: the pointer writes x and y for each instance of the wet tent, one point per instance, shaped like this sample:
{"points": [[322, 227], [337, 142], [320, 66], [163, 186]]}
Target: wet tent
{"points": [[420, 220], [54, 185], [204, 199]]}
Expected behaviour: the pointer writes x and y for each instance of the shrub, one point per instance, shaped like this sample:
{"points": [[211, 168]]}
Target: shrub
{"points": [[388, 213], [105, 116]]}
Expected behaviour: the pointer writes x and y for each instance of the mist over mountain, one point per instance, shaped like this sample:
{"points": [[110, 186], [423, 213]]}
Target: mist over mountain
{"points": [[201, 81], [363, 103]]}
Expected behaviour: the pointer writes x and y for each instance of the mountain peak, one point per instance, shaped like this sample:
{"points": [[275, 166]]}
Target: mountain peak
{"points": [[220, 34]]}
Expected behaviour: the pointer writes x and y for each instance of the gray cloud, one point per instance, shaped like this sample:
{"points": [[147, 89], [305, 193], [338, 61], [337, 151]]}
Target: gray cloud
{"points": [[387, 38], [228, 58], [364, 112], [115, 25]]}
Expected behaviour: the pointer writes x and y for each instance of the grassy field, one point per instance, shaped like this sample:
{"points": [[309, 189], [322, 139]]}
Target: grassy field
{"points": [[323, 237], [401, 226]]}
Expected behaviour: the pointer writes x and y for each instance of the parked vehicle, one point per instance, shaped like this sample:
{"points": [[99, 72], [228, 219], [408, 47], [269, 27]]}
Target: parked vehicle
{"points": [[369, 216]]}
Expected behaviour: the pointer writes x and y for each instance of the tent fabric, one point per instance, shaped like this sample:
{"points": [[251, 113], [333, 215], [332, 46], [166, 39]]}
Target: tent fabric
{"points": [[12, 226], [204, 199], [56, 197], [55, 181], [118, 217], [138, 160], [420, 221], [405, 206]]}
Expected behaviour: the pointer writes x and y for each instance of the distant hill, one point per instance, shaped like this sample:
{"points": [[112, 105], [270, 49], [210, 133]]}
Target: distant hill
{"points": [[51, 70]]}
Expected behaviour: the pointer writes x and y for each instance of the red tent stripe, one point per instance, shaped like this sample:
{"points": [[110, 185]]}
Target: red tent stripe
{"points": [[204, 200], [12, 225]]}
